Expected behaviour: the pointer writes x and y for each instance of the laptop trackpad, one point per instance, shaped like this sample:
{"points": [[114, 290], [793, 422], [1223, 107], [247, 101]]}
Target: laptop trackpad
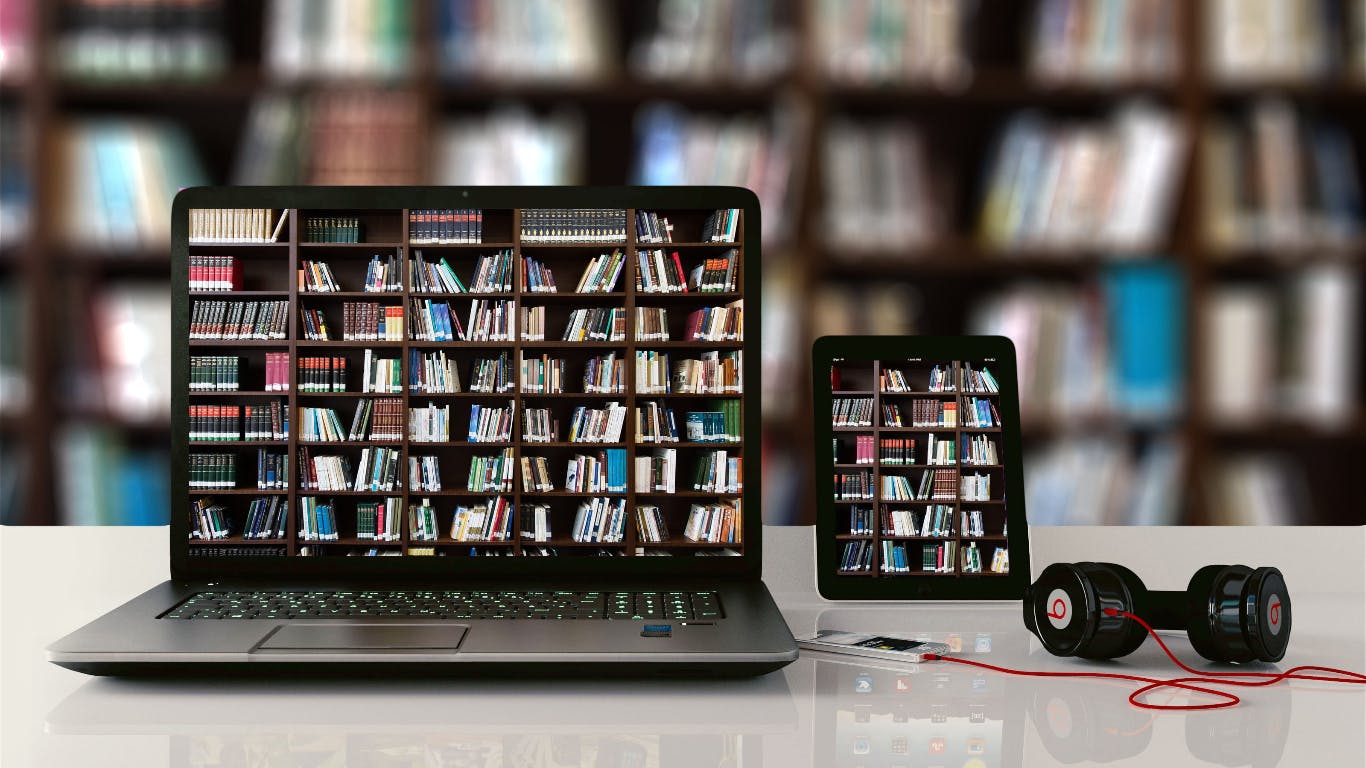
{"points": [[365, 637]]}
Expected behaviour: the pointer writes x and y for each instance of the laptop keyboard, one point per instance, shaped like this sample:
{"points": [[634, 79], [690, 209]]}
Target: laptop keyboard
{"points": [[343, 604]]}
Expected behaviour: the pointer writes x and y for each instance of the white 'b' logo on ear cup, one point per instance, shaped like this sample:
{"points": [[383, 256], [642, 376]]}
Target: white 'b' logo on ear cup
{"points": [[1273, 614], [1059, 609]]}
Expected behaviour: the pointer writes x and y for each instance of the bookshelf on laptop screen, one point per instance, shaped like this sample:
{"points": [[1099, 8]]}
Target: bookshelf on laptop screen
{"points": [[518, 382]]}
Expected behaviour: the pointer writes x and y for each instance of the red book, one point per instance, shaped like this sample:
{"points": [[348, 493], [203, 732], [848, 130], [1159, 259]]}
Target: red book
{"points": [[682, 278]]}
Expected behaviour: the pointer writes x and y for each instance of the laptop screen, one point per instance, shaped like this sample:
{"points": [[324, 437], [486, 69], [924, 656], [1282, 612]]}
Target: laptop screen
{"points": [[919, 468], [537, 382]]}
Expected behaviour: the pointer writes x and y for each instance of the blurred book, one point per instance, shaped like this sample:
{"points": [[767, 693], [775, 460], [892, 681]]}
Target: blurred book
{"points": [[1146, 323], [1251, 40], [15, 189], [14, 469], [783, 483], [510, 145], [14, 318], [885, 308], [877, 42], [130, 323], [1111, 184], [1095, 353], [103, 481], [716, 41], [1104, 480], [141, 39], [500, 41], [1287, 352], [333, 137], [1099, 41], [1256, 489], [1358, 36], [1277, 179], [762, 153], [16, 39], [356, 39], [782, 349], [118, 179], [880, 190]]}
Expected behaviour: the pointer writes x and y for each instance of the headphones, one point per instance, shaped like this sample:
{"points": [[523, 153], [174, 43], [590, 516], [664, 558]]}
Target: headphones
{"points": [[1231, 613]]}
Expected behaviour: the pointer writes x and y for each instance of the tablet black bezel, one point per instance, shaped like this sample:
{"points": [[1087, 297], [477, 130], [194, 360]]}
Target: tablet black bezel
{"points": [[832, 586]]}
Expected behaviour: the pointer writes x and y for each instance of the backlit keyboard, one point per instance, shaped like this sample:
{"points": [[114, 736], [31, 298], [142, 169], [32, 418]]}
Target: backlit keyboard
{"points": [[387, 604]]}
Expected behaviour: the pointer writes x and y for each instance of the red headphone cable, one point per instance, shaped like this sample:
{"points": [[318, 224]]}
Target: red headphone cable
{"points": [[1184, 683]]}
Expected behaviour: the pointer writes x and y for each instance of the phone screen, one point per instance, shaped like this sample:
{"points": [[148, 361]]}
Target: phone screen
{"points": [[873, 642]]}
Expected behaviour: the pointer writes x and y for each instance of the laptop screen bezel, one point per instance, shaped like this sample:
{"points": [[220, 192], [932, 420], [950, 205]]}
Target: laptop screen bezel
{"points": [[460, 569], [831, 585]]}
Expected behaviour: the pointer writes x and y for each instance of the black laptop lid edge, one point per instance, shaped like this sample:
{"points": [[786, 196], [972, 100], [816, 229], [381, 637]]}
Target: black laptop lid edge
{"points": [[465, 570]]}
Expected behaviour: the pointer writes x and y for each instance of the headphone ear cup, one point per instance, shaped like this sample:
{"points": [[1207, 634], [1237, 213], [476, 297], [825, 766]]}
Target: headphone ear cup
{"points": [[1218, 624], [1123, 591]]}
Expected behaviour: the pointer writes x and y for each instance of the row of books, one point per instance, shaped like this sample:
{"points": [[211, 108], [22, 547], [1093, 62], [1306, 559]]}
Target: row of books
{"points": [[1085, 186], [1129, 364], [213, 470], [539, 425], [103, 170], [215, 273], [272, 470], [438, 226], [323, 374], [972, 559], [219, 373], [716, 323], [486, 521], [651, 527], [369, 321], [600, 276], [597, 425], [715, 523], [1284, 352], [853, 486], [380, 375], [657, 272], [306, 40], [236, 225], [490, 374], [1089, 41], [979, 449], [333, 229], [936, 520], [239, 320], [713, 373], [156, 40], [374, 419], [266, 518], [492, 273], [762, 152], [853, 412], [857, 557], [594, 324], [603, 472], [573, 225], [895, 451], [379, 520], [489, 424], [881, 190], [719, 425], [1275, 177], [536, 522], [239, 422], [488, 474], [932, 413], [870, 42], [1259, 40], [429, 424], [600, 519]]}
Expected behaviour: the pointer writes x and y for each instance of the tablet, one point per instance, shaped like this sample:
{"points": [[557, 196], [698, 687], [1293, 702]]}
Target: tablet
{"points": [[920, 493]]}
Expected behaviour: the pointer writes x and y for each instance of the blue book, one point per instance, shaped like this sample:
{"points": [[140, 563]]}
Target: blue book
{"points": [[1147, 327]]}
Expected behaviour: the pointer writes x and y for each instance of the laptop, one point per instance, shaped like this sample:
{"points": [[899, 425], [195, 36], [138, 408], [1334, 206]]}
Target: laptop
{"points": [[459, 431]]}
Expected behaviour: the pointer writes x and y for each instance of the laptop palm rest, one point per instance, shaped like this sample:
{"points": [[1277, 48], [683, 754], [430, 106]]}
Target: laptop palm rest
{"points": [[301, 637]]}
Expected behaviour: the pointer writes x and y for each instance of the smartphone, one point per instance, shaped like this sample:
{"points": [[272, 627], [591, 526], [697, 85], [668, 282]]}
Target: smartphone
{"points": [[873, 646]]}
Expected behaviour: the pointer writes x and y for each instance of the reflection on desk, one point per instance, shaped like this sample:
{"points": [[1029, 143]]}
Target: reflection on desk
{"points": [[515, 723]]}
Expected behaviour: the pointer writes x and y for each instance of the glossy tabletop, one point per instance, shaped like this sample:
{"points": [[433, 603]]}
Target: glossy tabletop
{"points": [[823, 710]]}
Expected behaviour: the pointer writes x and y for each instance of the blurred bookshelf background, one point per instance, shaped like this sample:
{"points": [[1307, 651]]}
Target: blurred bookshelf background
{"points": [[1159, 201]]}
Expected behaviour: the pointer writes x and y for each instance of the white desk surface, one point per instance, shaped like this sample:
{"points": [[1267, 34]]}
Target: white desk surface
{"points": [[808, 714]]}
